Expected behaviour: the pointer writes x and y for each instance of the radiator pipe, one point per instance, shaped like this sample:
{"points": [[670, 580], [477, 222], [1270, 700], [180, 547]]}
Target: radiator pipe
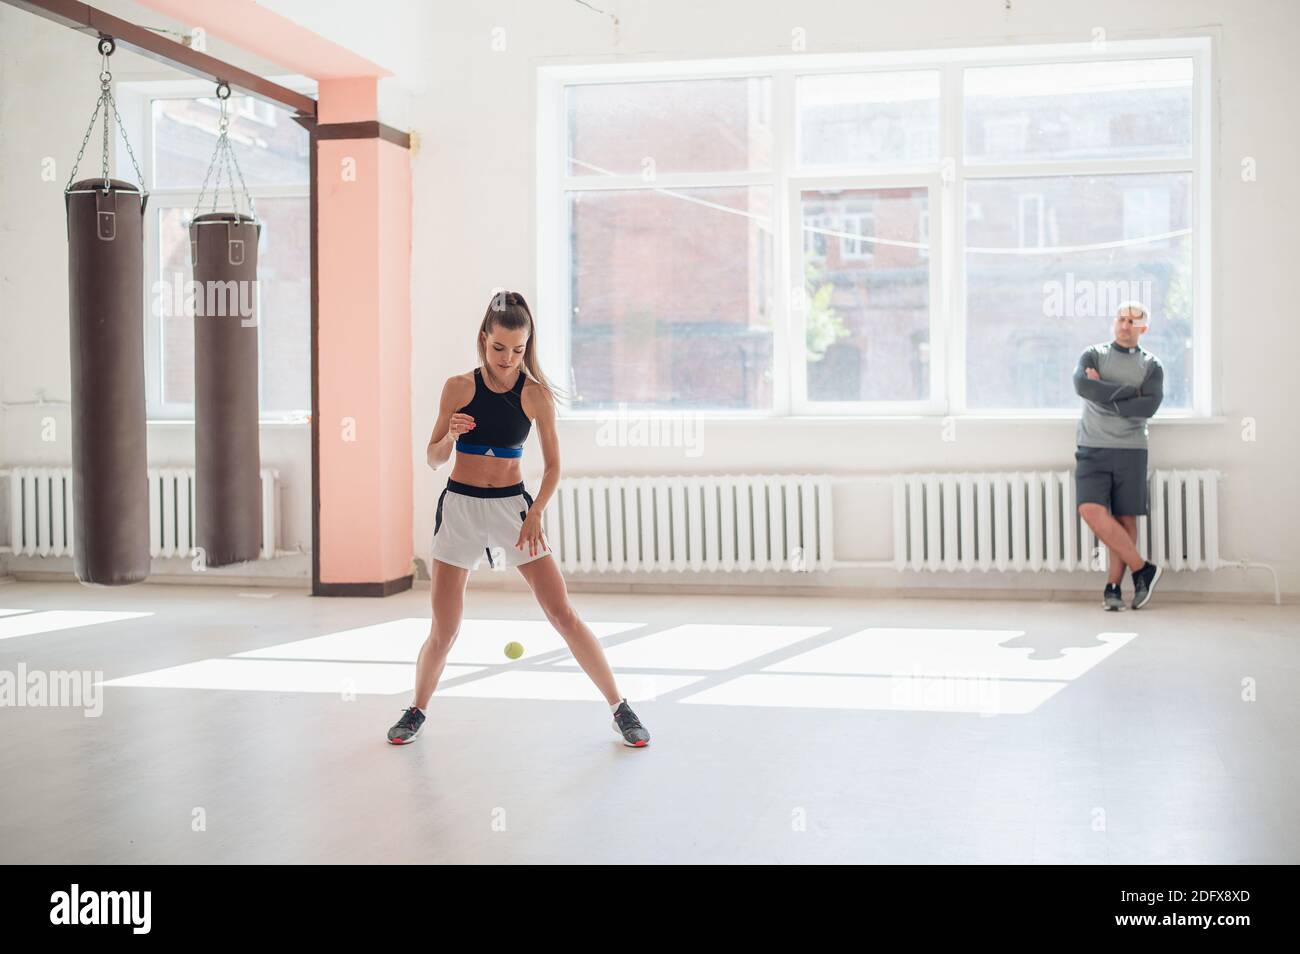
{"points": [[1248, 565]]}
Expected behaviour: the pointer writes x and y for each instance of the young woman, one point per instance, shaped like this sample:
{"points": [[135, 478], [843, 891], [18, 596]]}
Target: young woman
{"points": [[485, 513]]}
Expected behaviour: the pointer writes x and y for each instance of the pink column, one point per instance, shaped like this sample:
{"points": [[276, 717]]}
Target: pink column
{"points": [[363, 347]]}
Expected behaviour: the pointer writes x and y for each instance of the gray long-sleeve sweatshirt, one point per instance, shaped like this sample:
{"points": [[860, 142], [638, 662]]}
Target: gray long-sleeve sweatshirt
{"points": [[1116, 408]]}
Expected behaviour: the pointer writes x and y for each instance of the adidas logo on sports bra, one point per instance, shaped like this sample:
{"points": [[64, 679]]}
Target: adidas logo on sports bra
{"points": [[500, 424]]}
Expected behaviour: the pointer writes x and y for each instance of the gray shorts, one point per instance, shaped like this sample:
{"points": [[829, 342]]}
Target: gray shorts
{"points": [[1115, 477]]}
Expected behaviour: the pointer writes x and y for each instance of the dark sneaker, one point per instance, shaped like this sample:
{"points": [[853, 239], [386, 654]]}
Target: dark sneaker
{"points": [[1112, 599], [629, 726], [1144, 583], [407, 728]]}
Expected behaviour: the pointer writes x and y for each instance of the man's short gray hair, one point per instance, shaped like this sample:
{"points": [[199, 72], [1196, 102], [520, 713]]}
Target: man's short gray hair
{"points": [[1135, 306]]}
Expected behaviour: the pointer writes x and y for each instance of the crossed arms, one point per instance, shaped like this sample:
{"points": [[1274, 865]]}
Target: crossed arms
{"points": [[1124, 399]]}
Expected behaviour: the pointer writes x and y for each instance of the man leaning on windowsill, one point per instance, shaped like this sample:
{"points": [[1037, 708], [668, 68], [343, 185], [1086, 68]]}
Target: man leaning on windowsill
{"points": [[1122, 387]]}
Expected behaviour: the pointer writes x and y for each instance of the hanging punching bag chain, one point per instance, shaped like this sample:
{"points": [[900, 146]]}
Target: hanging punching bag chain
{"points": [[223, 141], [223, 157], [105, 86], [107, 102], [84, 141]]}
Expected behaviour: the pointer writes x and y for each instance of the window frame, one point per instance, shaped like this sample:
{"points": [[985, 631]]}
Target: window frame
{"points": [[946, 178], [801, 405], [859, 249], [137, 99]]}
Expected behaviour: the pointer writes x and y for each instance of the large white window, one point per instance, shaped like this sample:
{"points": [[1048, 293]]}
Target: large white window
{"points": [[179, 135], [932, 233]]}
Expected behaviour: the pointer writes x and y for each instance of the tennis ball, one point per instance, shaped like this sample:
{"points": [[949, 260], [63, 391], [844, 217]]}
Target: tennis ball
{"points": [[514, 650]]}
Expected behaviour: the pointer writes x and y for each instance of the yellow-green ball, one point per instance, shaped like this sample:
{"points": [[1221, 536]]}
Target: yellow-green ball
{"points": [[514, 650]]}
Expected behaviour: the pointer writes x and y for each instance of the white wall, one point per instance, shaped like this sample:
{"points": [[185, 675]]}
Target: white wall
{"points": [[475, 176], [474, 229], [48, 87]]}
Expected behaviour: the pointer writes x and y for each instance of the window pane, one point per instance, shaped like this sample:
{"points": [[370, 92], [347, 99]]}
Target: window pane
{"points": [[689, 126], [671, 297], [284, 305], [271, 148], [867, 294], [1104, 110], [177, 327], [858, 119], [284, 280], [1039, 290]]}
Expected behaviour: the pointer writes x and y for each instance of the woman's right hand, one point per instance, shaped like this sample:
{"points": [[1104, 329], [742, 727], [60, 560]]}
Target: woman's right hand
{"points": [[459, 424]]}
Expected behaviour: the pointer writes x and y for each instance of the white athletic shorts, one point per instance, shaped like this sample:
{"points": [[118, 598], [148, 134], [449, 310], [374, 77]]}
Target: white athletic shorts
{"points": [[474, 524]]}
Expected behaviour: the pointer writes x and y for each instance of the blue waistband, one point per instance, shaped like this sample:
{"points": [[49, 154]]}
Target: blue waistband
{"points": [[487, 450]]}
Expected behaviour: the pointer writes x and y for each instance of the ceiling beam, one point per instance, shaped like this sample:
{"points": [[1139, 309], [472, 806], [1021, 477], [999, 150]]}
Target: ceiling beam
{"points": [[86, 19]]}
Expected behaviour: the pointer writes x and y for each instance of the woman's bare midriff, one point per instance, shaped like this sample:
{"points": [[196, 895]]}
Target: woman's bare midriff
{"points": [[479, 471]]}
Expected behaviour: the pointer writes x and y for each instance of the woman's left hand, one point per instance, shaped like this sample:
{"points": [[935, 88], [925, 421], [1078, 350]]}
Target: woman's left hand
{"points": [[530, 535]]}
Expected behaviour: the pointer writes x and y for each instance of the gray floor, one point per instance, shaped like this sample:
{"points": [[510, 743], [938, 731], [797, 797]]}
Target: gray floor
{"points": [[785, 729]]}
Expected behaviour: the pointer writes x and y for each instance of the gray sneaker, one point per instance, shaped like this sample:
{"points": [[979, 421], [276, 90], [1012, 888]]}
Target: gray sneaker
{"points": [[629, 726], [407, 728], [1144, 583], [1112, 599]]}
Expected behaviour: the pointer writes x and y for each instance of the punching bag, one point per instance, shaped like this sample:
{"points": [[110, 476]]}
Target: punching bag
{"points": [[110, 483], [227, 456]]}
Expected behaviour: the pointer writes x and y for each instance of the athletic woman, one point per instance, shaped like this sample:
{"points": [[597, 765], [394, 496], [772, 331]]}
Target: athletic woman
{"points": [[485, 513]]}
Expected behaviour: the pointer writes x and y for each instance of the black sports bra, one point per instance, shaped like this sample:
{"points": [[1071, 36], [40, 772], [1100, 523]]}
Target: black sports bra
{"points": [[500, 424]]}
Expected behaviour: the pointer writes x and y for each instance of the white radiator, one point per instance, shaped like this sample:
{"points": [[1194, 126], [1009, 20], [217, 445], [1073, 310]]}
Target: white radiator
{"points": [[1029, 521], [729, 523], [40, 511], [1025, 520]]}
